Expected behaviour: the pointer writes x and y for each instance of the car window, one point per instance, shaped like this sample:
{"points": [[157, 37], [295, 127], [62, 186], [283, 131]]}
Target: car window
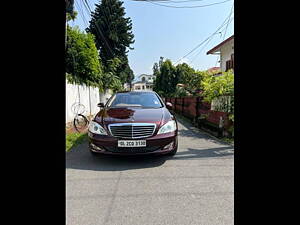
{"points": [[145, 100]]}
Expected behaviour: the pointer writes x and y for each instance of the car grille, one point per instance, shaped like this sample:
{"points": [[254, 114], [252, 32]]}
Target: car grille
{"points": [[134, 130]]}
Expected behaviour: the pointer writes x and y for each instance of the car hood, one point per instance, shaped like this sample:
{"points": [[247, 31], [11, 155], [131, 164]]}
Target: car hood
{"points": [[132, 115]]}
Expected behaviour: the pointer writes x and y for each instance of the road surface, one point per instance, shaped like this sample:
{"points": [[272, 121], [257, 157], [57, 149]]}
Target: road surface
{"points": [[193, 187]]}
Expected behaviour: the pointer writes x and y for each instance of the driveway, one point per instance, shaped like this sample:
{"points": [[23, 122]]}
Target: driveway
{"points": [[193, 187]]}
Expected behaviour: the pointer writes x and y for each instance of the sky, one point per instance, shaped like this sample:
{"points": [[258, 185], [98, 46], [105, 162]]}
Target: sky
{"points": [[170, 32]]}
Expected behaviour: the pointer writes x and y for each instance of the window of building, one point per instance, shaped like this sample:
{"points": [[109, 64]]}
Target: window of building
{"points": [[229, 65], [143, 79]]}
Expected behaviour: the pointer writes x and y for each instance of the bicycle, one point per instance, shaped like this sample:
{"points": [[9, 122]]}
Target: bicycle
{"points": [[80, 122]]}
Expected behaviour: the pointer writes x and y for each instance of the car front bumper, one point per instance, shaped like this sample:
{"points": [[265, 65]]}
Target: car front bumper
{"points": [[158, 144]]}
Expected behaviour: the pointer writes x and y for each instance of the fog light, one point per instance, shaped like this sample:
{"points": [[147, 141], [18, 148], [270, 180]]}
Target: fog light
{"points": [[96, 147], [169, 145]]}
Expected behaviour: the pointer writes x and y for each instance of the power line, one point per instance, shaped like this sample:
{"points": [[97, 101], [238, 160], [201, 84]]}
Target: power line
{"points": [[170, 1], [210, 40], [81, 14], [231, 11], [202, 48], [224, 23], [85, 1], [197, 6]]}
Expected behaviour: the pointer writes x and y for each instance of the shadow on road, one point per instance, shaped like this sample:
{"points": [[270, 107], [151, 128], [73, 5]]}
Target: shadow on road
{"points": [[80, 158], [192, 153]]}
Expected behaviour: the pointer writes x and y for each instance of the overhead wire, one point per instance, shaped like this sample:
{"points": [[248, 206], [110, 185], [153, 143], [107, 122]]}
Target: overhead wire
{"points": [[170, 1], [209, 41], [196, 6], [81, 13], [231, 11], [224, 23]]}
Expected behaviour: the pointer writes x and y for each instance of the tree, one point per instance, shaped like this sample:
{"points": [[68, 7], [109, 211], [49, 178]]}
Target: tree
{"points": [[156, 73], [166, 77], [184, 73], [82, 61], [189, 77], [72, 16], [113, 35], [110, 80]]}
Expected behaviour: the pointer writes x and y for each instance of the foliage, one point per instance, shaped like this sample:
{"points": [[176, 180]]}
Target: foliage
{"points": [[74, 139], [184, 72], [215, 86], [110, 80], [166, 77], [82, 61], [113, 35], [219, 90], [180, 92], [72, 16]]}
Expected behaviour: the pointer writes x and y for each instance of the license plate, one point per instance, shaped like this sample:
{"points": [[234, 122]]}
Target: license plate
{"points": [[130, 144]]}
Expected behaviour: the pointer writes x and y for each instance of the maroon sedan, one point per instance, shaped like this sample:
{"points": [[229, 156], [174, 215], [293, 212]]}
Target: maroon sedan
{"points": [[134, 123]]}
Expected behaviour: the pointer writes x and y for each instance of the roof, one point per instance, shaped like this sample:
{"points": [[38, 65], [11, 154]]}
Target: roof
{"points": [[213, 69], [216, 48], [143, 82], [149, 75]]}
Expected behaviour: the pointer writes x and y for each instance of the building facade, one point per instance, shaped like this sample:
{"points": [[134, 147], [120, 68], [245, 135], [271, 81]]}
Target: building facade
{"points": [[226, 51], [144, 83]]}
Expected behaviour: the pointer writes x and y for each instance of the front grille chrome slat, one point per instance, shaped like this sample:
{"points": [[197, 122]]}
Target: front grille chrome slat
{"points": [[132, 130]]}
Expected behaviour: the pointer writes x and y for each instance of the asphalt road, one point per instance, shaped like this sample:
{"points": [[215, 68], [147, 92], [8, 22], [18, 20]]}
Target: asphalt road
{"points": [[194, 187]]}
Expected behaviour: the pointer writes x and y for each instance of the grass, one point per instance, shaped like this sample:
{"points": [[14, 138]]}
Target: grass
{"points": [[74, 139], [228, 140]]}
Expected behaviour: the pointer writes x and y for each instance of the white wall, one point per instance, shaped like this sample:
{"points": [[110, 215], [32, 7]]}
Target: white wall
{"points": [[88, 96], [226, 50]]}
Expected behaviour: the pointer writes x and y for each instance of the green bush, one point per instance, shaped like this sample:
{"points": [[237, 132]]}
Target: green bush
{"points": [[221, 90], [75, 139]]}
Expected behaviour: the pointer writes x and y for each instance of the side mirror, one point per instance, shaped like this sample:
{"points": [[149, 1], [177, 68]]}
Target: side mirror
{"points": [[101, 105], [169, 105]]}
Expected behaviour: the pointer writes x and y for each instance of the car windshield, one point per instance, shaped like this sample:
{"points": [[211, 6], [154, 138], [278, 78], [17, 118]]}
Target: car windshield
{"points": [[135, 99]]}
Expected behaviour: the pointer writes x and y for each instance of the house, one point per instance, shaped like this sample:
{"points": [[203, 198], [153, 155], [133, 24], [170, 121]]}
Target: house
{"points": [[127, 86], [214, 70], [226, 51], [144, 82]]}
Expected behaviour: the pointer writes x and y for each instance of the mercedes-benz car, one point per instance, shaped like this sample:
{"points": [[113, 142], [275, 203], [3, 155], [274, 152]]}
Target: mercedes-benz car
{"points": [[134, 123]]}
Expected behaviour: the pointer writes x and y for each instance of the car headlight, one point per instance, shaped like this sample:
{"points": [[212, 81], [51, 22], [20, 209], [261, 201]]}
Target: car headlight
{"points": [[168, 127], [96, 128]]}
